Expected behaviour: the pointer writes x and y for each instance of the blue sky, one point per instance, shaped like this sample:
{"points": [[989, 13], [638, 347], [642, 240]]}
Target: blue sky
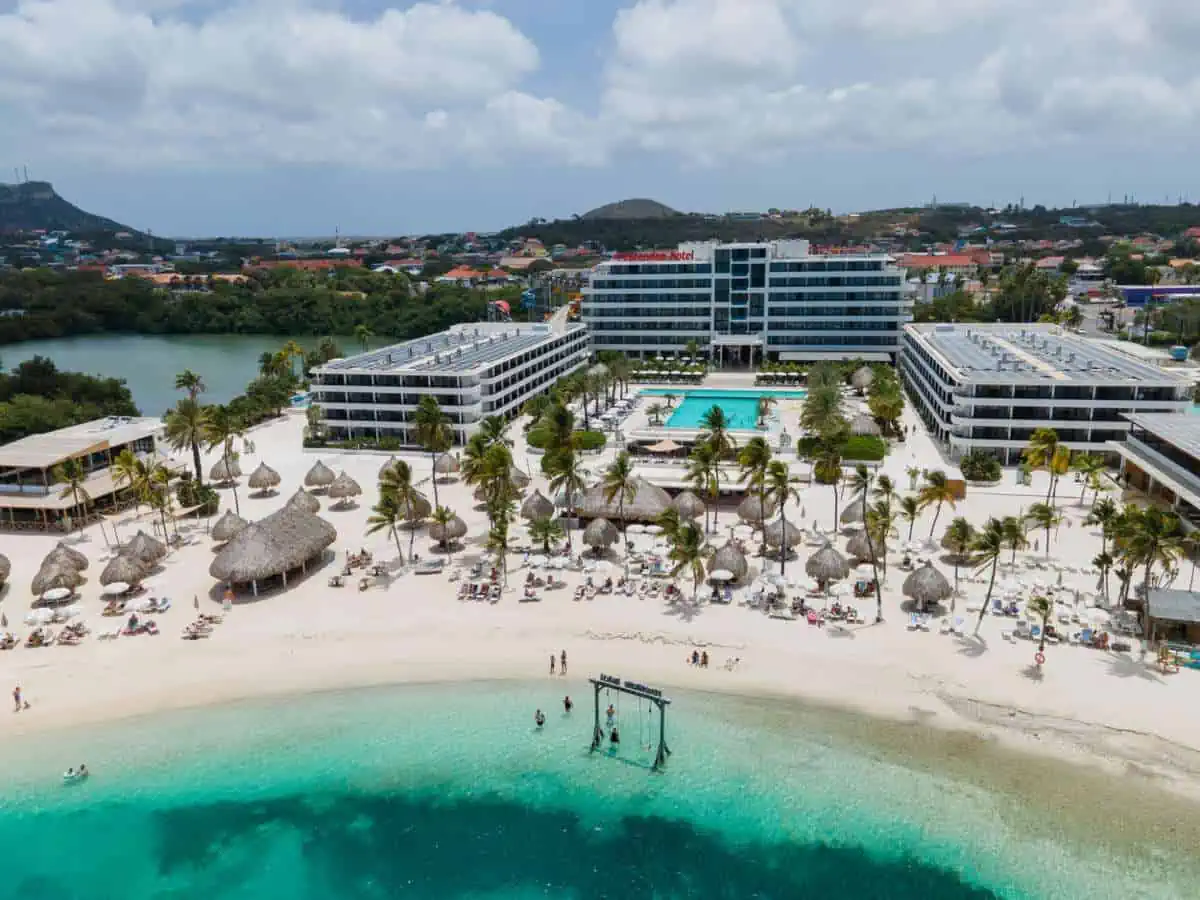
{"points": [[290, 117]]}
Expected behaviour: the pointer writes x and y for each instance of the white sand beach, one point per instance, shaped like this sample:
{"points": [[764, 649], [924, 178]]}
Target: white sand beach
{"points": [[1105, 708]]}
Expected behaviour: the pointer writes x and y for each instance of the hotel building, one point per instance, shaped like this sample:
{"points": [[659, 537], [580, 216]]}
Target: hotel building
{"points": [[746, 302], [988, 387], [474, 371], [1161, 457]]}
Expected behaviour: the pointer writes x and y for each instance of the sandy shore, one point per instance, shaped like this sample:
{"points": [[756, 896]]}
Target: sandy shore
{"points": [[1104, 709]]}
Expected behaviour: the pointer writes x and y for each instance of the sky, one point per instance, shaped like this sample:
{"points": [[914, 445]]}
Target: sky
{"points": [[389, 117]]}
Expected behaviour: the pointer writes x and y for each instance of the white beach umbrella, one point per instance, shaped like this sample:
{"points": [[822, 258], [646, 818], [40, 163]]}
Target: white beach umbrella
{"points": [[536, 561], [39, 616], [721, 575], [56, 594], [117, 587], [73, 611], [636, 528], [864, 570], [138, 604], [841, 589], [1098, 617], [653, 529]]}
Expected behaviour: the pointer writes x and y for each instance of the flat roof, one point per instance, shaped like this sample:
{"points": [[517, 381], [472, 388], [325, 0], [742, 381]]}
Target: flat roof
{"points": [[458, 350], [41, 451], [1034, 354], [1180, 429], [1171, 605]]}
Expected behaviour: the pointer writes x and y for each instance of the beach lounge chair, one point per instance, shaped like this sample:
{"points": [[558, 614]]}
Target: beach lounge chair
{"points": [[914, 621]]}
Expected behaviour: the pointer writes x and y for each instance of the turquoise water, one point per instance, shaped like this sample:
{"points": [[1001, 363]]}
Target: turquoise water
{"points": [[449, 792], [741, 407]]}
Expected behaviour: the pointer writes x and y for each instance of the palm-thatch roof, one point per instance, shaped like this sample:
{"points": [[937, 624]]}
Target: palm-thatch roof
{"points": [[386, 466], [731, 559], [5, 568], [537, 507], [827, 565], [319, 476], [228, 526], [519, 479], [860, 548], [862, 378], [755, 513], [56, 575], [780, 532], [689, 505], [446, 464], [344, 487], [302, 499], [124, 567], [648, 502], [222, 473], [927, 586], [69, 555], [445, 534], [600, 533], [264, 478], [855, 511], [148, 549], [272, 546], [864, 424], [417, 508]]}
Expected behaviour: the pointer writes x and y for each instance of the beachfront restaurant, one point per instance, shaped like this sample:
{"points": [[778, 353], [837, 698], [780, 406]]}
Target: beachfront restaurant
{"points": [[1174, 615], [32, 497]]}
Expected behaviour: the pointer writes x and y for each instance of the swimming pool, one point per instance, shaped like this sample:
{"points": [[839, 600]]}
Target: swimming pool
{"points": [[741, 407]]}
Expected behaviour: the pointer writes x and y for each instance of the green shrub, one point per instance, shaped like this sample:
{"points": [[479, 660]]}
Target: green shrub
{"points": [[189, 493], [864, 447], [980, 466], [826, 473], [590, 440]]}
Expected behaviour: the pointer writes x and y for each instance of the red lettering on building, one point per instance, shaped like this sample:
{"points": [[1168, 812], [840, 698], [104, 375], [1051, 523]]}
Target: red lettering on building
{"points": [[656, 256]]}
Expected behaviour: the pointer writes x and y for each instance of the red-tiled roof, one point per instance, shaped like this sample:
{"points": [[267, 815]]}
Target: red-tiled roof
{"points": [[933, 261]]}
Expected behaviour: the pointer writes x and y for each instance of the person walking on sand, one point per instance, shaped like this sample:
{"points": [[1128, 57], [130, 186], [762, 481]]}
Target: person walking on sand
{"points": [[551, 663], [17, 698], [562, 669]]}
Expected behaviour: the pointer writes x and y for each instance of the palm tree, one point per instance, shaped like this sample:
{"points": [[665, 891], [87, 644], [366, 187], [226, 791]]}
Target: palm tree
{"points": [[704, 474], [827, 465], [186, 426], [566, 475], [619, 484], [1104, 562], [288, 353], [910, 511], [1154, 538], [363, 334], [878, 526], [433, 433], [1045, 516], [1043, 609], [386, 515], [222, 427], [692, 348], [545, 530], [655, 412], [780, 491], [443, 516], [670, 522], [959, 536], [396, 482], [755, 461], [1105, 514], [132, 472], [988, 547], [1091, 467], [1014, 537], [189, 381], [495, 431], [1045, 452], [822, 414], [885, 488], [268, 363], [670, 398], [71, 473], [716, 427], [936, 490], [687, 552]]}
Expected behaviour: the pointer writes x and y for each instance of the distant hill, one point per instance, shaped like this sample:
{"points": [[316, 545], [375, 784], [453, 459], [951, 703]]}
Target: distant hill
{"points": [[637, 208], [35, 204]]}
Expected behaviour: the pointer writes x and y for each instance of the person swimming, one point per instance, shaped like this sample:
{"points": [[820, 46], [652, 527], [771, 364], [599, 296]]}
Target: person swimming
{"points": [[567, 704], [539, 718], [615, 737]]}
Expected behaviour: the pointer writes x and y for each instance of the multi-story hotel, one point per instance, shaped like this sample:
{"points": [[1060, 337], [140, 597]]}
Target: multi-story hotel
{"points": [[486, 369], [988, 387], [1161, 456], [746, 302]]}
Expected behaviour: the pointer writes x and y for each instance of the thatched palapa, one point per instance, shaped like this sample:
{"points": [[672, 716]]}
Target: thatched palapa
{"points": [[754, 512], [864, 424], [927, 586], [344, 487], [224, 472], [731, 559], [688, 505], [780, 532], [519, 479], [452, 531], [56, 575], [149, 550], [600, 533], [228, 526], [68, 555], [124, 567], [860, 548], [417, 508], [302, 499], [862, 378], [5, 568], [827, 565], [319, 476], [446, 464], [537, 507], [285, 540], [648, 502], [264, 478], [855, 511]]}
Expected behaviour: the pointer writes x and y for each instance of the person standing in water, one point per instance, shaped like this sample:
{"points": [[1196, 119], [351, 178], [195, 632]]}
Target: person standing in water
{"points": [[567, 704], [539, 718]]}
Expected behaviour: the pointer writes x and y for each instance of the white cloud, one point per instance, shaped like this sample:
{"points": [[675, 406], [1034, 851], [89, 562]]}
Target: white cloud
{"points": [[261, 82]]}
